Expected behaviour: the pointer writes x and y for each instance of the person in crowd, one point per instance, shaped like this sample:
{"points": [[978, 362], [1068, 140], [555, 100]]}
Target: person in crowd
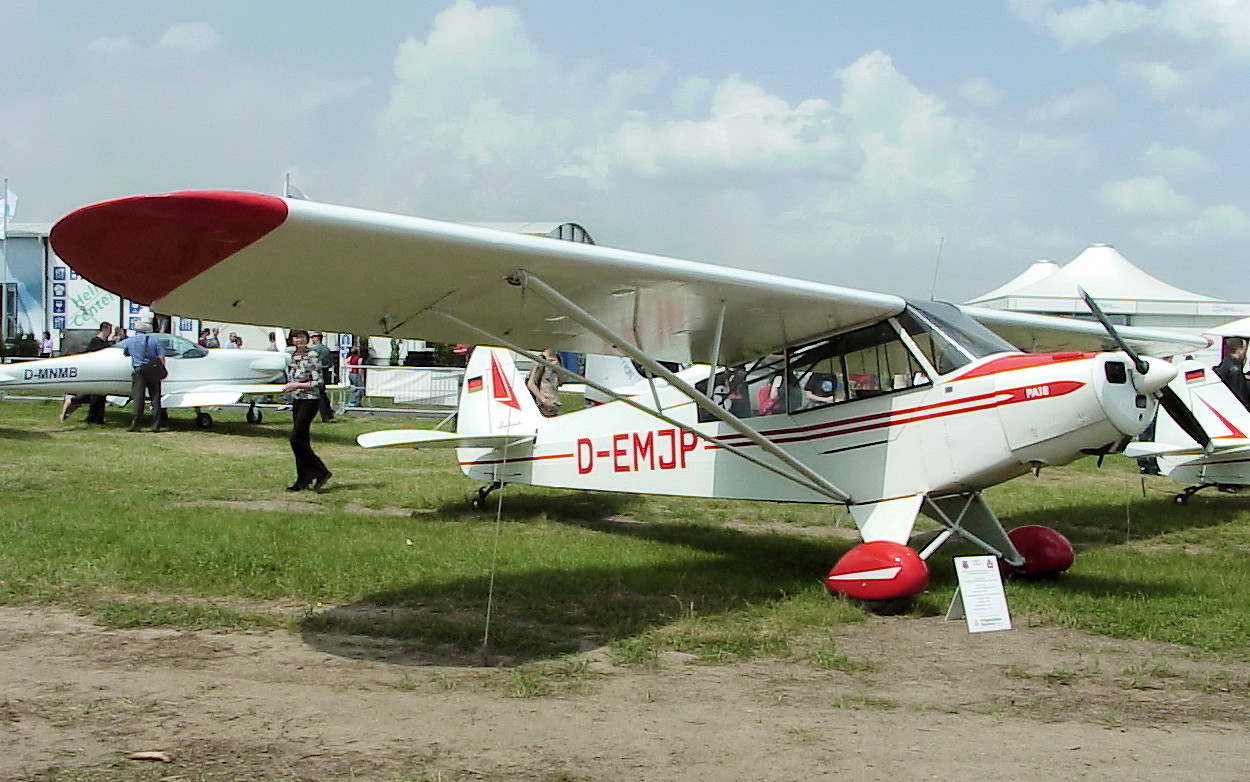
{"points": [[95, 402], [543, 383], [273, 341], [1232, 369], [45, 345], [322, 351], [147, 362], [306, 385], [355, 377], [234, 341]]}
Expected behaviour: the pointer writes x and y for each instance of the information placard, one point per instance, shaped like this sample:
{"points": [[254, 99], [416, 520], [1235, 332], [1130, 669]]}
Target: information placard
{"points": [[980, 595]]}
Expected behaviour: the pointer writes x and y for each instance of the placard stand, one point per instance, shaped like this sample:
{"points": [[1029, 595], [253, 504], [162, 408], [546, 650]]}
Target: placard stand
{"points": [[979, 599]]}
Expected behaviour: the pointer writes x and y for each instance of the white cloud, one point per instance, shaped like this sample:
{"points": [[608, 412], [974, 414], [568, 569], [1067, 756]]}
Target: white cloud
{"points": [[112, 47], [1146, 198], [1098, 21], [191, 38], [981, 91], [1220, 27], [1182, 161], [474, 87], [1159, 79], [1079, 106]]}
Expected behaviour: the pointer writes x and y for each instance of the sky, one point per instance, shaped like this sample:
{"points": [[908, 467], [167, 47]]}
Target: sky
{"points": [[913, 147]]}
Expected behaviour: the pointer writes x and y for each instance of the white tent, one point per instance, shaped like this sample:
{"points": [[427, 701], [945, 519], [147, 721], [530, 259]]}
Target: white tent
{"points": [[1127, 294], [1037, 271], [1108, 276]]}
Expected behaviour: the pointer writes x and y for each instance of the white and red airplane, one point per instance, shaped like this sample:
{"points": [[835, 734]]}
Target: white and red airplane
{"points": [[198, 378], [1219, 455], [889, 407]]}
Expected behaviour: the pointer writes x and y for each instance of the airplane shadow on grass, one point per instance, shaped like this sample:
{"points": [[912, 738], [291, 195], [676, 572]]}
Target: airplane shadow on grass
{"points": [[543, 614]]}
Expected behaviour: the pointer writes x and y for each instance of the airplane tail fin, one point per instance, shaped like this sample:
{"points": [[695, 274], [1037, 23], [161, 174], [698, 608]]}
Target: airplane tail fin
{"points": [[494, 399], [1221, 414]]}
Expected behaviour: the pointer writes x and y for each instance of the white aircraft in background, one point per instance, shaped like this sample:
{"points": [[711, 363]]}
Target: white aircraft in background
{"points": [[198, 377], [915, 407], [1220, 454]]}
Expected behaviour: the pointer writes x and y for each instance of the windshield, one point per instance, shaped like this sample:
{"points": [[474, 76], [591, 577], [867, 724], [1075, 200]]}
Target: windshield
{"points": [[179, 347], [948, 337]]}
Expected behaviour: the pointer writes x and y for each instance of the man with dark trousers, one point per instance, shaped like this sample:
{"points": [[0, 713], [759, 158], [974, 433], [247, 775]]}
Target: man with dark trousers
{"points": [[147, 370]]}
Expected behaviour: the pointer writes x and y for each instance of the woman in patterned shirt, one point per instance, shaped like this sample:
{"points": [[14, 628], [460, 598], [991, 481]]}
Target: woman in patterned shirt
{"points": [[304, 384]]}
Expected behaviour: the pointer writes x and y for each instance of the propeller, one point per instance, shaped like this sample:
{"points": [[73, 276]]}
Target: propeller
{"points": [[1170, 401]]}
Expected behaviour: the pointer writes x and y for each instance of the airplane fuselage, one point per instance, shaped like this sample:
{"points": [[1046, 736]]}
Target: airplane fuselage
{"points": [[108, 371], [981, 425]]}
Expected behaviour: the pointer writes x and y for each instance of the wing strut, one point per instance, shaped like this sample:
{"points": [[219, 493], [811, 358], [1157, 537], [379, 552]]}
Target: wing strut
{"points": [[495, 339], [529, 281]]}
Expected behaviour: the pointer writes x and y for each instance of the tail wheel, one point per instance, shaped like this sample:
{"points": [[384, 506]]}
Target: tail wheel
{"points": [[879, 571], [1044, 550]]}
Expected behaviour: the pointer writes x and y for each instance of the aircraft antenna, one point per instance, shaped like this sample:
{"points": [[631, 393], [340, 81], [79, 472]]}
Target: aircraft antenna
{"points": [[937, 265]]}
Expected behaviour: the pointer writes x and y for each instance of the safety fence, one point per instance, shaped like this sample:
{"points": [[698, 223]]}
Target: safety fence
{"points": [[437, 387]]}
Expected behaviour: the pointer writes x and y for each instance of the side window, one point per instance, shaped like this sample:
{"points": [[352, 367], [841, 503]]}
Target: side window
{"points": [[855, 365]]}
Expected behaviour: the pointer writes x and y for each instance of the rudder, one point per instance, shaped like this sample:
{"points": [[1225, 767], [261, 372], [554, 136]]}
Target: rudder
{"points": [[494, 399]]}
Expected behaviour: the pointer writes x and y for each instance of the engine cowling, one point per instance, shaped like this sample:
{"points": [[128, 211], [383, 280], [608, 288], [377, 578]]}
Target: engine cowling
{"points": [[878, 570]]}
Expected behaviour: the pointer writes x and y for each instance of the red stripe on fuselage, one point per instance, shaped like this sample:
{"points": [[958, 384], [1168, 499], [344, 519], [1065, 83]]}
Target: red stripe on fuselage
{"points": [[1015, 361], [143, 247], [888, 418]]}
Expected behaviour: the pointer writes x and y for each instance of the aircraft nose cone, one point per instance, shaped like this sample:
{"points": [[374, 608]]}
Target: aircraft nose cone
{"points": [[1158, 374]]}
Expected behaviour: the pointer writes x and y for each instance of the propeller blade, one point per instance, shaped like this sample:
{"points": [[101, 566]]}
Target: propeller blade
{"points": [[1183, 416], [1115, 335]]}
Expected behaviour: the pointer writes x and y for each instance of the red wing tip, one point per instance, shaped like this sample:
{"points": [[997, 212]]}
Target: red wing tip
{"points": [[143, 247]]}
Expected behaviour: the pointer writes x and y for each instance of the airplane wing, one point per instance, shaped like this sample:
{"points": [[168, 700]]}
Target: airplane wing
{"points": [[216, 394], [250, 258], [429, 438], [1052, 334]]}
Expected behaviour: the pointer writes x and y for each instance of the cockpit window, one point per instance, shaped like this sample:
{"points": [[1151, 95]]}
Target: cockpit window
{"points": [[179, 347], [857, 364]]}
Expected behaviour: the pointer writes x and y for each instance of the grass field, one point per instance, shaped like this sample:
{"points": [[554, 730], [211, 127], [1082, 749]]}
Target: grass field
{"points": [[193, 528]]}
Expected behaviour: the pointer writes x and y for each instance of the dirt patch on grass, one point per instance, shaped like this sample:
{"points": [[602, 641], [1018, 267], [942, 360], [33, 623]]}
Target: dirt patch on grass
{"points": [[924, 700]]}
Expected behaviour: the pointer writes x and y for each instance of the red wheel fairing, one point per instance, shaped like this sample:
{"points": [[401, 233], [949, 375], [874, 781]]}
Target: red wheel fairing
{"points": [[878, 570], [1044, 550]]}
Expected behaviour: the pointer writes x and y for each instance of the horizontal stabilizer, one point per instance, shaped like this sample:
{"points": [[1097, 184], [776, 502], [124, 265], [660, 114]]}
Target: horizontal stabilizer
{"points": [[1140, 449], [1221, 453], [429, 438]]}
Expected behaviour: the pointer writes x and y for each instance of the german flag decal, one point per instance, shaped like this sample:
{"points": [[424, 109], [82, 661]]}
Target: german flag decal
{"points": [[473, 384]]}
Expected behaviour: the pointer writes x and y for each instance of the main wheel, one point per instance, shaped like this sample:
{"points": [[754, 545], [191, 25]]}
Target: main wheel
{"points": [[253, 416], [203, 420]]}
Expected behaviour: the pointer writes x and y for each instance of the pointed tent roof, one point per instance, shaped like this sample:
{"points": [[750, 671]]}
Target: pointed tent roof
{"points": [[1037, 271], [1102, 271]]}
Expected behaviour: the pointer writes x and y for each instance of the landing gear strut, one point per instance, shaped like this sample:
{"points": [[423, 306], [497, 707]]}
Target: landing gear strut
{"points": [[1189, 491], [478, 500]]}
